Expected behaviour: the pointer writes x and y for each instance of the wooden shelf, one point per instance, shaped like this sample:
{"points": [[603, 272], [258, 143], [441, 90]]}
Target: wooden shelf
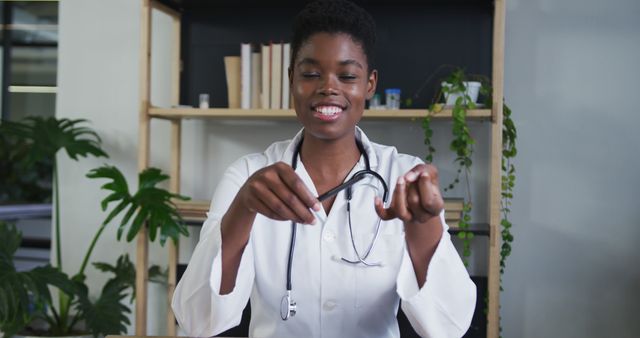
{"points": [[478, 229], [232, 113], [194, 214]]}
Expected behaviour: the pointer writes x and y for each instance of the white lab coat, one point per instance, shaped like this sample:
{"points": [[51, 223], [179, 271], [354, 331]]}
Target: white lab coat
{"points": [[334, 298]]}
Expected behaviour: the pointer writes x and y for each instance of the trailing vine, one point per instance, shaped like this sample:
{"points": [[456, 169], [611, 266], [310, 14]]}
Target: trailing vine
{"points": [[509, 151], [462, 145]]}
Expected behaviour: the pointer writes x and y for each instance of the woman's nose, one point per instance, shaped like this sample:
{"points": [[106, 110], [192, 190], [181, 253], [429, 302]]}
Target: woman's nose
{"points": [[328, 85]]}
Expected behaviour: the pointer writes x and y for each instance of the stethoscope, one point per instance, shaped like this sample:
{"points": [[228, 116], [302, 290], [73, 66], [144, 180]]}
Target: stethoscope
{"points": [[288, 305]]}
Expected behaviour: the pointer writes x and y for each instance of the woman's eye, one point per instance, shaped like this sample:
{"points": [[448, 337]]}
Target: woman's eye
{"points": [[310, 75], [347, 77]]}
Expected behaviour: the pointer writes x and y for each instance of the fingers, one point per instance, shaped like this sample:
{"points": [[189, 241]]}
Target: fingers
{"points": [[398, 207], [416, 197], [420, 169], [266, 202], [295, 184], [430, 198], [278, 193]]}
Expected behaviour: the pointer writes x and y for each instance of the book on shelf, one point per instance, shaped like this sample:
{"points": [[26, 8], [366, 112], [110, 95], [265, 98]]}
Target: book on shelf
{"points": [[265, 92], [259, 79], [452, 214], [193, 210], [245, 75], [276, 76], [256, 74], [286, 58], [232, 72], [453, 224], [453, 204]]}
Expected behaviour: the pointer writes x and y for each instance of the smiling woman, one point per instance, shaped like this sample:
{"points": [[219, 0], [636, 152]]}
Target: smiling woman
{"points": [[268, 203]]}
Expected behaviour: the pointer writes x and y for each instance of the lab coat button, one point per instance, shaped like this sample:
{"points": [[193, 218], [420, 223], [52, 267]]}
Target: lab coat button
{"points": [[329, 236], [329, 305]]}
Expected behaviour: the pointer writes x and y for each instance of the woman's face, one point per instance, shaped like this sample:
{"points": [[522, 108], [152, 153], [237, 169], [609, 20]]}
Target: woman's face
{"points": [[330, 83]]}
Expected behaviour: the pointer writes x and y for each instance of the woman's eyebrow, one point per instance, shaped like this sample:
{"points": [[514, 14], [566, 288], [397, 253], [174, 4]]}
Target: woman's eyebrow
{"points": [[314, 62], [308, 61], [351, 62]]}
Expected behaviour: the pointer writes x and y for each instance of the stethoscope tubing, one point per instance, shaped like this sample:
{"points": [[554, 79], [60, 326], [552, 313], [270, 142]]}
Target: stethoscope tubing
{"points": [[358, 176]]}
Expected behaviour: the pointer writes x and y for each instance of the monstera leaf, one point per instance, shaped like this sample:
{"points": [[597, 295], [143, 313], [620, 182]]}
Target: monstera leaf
{"points": [[149, 204], [125, 273], [18, 290], [47, 135], [107, 314]]}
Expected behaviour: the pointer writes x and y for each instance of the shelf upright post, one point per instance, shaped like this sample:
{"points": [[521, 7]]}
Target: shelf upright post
{"points": [[495, 191], [176, 138], [142, 251]]}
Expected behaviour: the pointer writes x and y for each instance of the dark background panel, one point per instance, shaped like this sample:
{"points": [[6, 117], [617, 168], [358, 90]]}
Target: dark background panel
{"points": [[413, 41]]}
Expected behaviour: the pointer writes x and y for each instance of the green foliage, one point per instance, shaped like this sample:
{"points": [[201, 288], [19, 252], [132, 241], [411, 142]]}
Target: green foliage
{"points": [[18, 290], [125, 273], [106, 315], [25, 295], [462, 146], [22, 182], [509, 151], [428, 134], [46, 135], [465, 235], [150, 204]]}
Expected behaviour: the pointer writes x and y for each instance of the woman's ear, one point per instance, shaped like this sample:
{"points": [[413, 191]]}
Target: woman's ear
{"points": [[372, 82]]}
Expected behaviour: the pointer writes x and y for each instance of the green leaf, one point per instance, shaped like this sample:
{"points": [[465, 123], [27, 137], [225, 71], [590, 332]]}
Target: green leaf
{"points": [[18, 290], [47, 135], [11, 239], [107, 315]]}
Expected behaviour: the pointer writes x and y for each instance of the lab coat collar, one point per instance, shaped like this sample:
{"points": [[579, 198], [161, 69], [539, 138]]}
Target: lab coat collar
{"points": [[360, 135]]}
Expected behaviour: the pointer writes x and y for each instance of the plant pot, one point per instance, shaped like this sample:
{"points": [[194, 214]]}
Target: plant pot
{"points": [[472, 90]]}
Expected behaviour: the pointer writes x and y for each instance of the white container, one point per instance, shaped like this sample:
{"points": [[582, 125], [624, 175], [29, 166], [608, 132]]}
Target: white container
{"points": [[392, 98], [204, 101], [472, 89]]}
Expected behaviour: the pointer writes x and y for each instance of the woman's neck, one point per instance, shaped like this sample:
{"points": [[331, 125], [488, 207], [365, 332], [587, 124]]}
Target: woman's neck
{"points": [[329, 157]]}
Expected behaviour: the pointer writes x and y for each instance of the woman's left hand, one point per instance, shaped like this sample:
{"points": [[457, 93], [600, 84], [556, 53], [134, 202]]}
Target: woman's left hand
{"points": [[416, 199]]}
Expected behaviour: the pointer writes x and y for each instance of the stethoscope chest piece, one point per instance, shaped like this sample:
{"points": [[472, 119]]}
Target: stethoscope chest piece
{"points": [[287, 307]]}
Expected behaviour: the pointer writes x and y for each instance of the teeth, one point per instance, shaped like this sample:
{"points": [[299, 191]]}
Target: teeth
{"points": [[328, 110]]}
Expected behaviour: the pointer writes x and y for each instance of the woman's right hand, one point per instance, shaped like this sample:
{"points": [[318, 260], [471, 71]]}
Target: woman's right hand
{"points": [[277, 192]]}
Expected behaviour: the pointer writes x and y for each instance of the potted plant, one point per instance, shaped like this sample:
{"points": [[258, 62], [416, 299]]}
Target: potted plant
{"points": [[24, 295]]}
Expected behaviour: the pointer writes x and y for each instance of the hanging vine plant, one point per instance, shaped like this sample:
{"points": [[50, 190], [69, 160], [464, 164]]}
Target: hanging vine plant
{"points": [[462, 145], [509, 152]]}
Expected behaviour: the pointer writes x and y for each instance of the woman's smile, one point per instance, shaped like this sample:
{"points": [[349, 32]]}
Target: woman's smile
{"points": [[327, 112]]}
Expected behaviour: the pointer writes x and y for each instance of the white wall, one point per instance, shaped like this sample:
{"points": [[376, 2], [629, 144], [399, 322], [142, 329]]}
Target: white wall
{"points": [[571, 79], [98, 75], [569, 68]]}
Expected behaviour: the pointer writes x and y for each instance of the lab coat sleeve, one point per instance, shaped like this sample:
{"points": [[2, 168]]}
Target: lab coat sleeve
{"points": [[197, 304], [444, 306]]}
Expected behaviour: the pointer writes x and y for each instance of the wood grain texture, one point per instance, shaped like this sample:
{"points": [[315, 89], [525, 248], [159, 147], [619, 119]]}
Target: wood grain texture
{"points": [[185, 113], [142, 249], [493, 316]]}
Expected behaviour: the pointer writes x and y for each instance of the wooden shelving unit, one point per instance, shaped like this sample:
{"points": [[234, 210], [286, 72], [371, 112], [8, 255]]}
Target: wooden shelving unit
{"points": [[226, 113], [176, 115]]}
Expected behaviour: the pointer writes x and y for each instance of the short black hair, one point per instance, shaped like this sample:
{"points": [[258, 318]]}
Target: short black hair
{"points": [[335, 16]]}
